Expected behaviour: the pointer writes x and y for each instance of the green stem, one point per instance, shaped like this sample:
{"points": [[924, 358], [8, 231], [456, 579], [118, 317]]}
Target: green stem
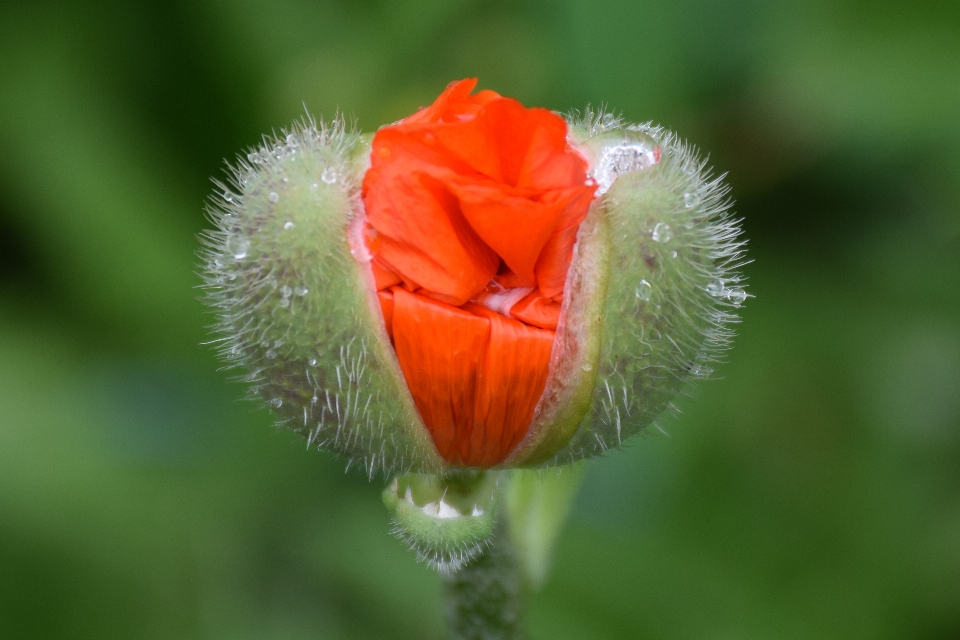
{"points": [[486, 599]]}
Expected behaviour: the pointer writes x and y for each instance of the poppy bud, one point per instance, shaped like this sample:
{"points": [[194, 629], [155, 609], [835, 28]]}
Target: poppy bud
{"points": [[479, 286]]}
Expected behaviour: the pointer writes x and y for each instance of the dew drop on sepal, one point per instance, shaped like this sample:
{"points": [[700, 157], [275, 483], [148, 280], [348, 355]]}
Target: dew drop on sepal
{"points": [[736, 296], [238, 246], [661, 232], [618, 160], [644, 290], [701, 371]]}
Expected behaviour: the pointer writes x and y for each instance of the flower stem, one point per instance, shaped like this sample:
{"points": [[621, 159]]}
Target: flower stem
{"points": [[486, 599]]}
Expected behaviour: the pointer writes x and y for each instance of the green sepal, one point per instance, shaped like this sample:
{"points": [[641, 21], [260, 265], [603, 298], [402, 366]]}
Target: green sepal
{"points": [[290, 276], [576, 347], [447, 520], [673, 284]]}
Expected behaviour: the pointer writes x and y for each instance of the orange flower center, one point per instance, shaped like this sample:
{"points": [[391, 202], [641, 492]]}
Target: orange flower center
{"points": [[473, 205]]}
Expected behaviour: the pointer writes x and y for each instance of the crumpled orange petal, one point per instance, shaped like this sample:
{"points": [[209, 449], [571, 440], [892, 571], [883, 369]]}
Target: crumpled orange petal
{"points": [[472, 204]]}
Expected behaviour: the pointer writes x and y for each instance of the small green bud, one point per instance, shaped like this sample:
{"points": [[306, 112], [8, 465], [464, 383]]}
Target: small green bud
{"points": [[447, 520]]}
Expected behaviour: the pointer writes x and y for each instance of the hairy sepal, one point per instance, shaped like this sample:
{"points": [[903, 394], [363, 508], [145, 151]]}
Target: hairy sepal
{"points": [[673, 284], [576, 348], [447, 520], [293, 293]]}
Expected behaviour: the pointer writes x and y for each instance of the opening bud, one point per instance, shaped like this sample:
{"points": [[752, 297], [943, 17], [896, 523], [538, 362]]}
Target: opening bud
{"points": [[479, 286]]}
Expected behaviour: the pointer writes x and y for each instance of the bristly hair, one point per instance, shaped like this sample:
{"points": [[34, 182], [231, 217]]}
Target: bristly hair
{"points": [[675, 289], [260, 303]]}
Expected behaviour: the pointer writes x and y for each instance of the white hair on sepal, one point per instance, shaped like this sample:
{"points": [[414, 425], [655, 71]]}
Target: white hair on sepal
{"points": [[675, 276], [293, 315]]}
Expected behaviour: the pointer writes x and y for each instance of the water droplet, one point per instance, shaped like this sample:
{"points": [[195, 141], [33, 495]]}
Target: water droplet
{"points": [[312, 362], [608, 121], [690, 200], [253, 158], [315, 186], [661, 232], [644, 290], [674, 254], [292, 141], [286, 291], [277, 344], [587, 367], [284, 302], [238, 246], [301, 291], [276, 403], [329, 175], [618, 160], [701, 371], [274, 197], [271, 353], [285, 180], [288, 225], [715, 288], [736, 296]]}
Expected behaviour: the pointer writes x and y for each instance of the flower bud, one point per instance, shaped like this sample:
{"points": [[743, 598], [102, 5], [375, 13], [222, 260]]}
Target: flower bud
{"points": [[446, 520], [478, 286]]}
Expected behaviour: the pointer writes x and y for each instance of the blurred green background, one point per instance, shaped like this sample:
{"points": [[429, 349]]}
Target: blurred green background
{"points": [[814, 492]]}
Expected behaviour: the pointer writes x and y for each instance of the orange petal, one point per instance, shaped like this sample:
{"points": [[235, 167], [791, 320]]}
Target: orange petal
{"points": [[440, 349], [538, 311], [453, 103], [383, 276], [421, 232], [475, 376], [508, 279], [516, 228], [514, 375], [554, 260]]}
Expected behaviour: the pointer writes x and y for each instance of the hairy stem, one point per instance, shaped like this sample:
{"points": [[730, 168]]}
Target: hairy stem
{"points": [[486, 599]]}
